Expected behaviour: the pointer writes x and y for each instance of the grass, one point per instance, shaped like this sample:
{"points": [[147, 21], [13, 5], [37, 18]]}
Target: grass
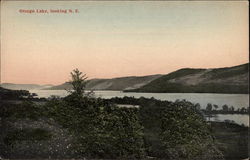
{"points": [[232, 140]]}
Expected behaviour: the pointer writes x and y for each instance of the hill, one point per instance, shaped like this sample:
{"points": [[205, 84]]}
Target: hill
{"points": [[122, 83], [188, 80], [24, 86]]}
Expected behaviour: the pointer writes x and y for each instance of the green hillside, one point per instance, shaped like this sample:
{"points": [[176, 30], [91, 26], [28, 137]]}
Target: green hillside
{"points": [[219, 80]]}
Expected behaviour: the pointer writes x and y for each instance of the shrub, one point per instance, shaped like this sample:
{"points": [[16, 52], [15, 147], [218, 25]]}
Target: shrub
{"points": [[102, 130], [185, 134]]}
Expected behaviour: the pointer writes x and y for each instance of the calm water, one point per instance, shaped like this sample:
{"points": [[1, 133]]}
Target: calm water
{"points": [[236, 100], [236, 118]]}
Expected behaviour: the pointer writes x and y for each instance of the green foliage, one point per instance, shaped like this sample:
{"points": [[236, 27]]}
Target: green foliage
{"points": [[112, 133], [173, 129], [78, 82], [26, 135], [184, 133], [102, 130]]}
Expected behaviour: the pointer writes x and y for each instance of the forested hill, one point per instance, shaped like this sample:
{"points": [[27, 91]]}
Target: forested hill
{"points": [[188, 80], [122, 83]]}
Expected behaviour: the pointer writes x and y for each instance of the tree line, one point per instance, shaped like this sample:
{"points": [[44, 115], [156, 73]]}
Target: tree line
{"points": [[225, 109]]}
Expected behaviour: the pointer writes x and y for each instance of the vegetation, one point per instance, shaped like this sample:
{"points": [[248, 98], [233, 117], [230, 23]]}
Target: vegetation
{"points": [[173, 130], [97, 128], [78, 83], [232, 140], [222, 80], [185, 134], [167, 87], [225, 138], [26, 134], [213, 109], [6, 94], [228, 72], [101, 130]]}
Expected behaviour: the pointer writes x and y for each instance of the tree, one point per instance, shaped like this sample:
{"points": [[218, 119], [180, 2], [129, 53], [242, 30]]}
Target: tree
{"points": [[209, 107], [112, 133], [216, 106], [78, 82], [231, 108], [101, 130], [198, 106], [243, 110], [225, 107], [185, 134]]}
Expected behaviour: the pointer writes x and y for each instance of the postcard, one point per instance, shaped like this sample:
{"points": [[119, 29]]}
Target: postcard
{"points": [[124, 80]]}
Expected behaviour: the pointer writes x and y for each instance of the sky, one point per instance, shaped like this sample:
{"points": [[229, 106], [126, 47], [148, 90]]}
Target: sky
{"points": [[115, 39]]}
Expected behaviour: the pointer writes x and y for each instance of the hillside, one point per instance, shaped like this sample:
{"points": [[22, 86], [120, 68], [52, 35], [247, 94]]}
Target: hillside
{"points": [[187, 80], [23, 86], [122, 83]]}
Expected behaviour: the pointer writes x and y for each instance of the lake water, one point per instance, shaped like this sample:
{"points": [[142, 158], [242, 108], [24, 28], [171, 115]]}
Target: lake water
{"points": [[235, 100], [236, 118]]}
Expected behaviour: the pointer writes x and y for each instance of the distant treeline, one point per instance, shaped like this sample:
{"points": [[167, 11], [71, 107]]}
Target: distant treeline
{"points": [[213, 109]]}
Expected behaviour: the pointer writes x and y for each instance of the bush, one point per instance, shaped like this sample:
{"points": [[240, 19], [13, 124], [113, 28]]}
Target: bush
{"points": [[185, 134], [102, 130]]}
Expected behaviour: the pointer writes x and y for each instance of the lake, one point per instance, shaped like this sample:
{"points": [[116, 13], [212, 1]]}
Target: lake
{"points": [[235, 100], [236, 118]]}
